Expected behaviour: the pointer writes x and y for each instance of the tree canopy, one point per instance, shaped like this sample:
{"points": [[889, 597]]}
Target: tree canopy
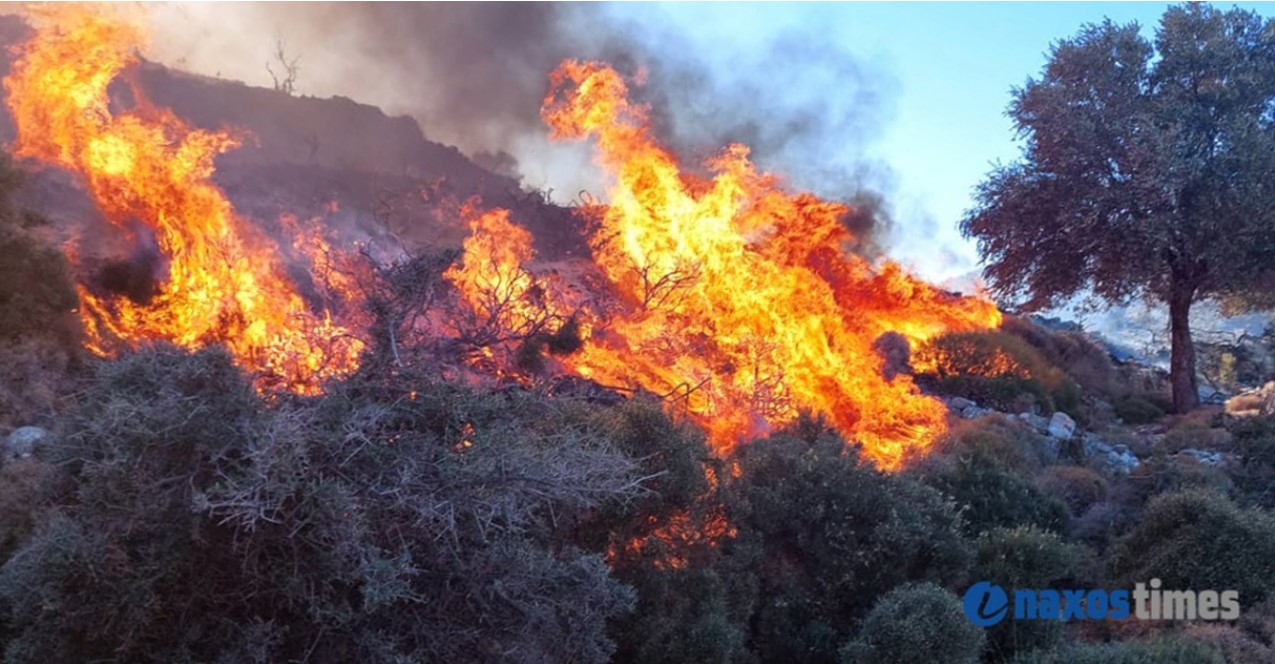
{"points": [[1145, 172]]}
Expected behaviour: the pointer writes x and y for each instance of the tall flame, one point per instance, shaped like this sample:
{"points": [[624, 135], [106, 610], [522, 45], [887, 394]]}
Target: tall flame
{"points": [[741, 296], [224, 281]]}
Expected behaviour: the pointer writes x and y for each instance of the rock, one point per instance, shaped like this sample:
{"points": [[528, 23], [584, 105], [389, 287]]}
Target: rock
{"points": [[1035, 421], [1117, 459], [1061, 426], [1206, 457], [1122, 463], [974, 412], [1050, 450], [959, 404], [1092, 446], [22, 443]]}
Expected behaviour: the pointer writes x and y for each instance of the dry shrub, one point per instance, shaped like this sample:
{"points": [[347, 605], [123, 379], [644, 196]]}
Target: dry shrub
{"points": [[395, 519], [1075, 353], [21, 481], [1235, 644], [1008, 442], [35, 377]]}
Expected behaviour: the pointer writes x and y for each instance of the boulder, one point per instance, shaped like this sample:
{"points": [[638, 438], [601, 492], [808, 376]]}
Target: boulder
{"points": [[974, 412], [22, 443], [1061, 426], [959, 404], [1035, 421], [1092, 446], [1121, 462]]}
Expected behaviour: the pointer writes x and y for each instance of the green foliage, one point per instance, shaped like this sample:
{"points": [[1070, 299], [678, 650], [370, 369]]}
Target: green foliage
{"points": [[681, 616], [1076, 486], [991, 496], [190, 521], [818, 532], [999, 370], [1199, 539], [1006, 441], [915, 624], [1137, 410], [688, 612], [1255, 443], [1026, 557], [1145, 170], [1166, 650], [1163, 475]]}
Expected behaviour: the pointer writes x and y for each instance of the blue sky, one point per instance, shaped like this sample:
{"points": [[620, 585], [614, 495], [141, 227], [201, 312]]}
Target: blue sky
{"points": [[952, 67]]}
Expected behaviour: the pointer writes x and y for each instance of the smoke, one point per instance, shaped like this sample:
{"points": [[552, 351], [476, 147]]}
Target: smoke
{"points": [[474, 75]]}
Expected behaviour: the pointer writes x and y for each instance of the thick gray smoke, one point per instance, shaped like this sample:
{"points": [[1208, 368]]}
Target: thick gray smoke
{"points": [[474, 74]]}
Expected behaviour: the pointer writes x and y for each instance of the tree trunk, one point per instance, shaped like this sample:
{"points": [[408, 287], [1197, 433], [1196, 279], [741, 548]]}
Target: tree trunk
{"points": [[1186, 395]]}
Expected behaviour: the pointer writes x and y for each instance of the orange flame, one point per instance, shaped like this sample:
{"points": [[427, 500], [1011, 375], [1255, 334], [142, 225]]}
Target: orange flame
{"points": [[224, 282], [742, 297]]}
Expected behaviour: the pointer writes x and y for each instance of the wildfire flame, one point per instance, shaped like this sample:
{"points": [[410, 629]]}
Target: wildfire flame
{"points": [[743, 296], [737, 299], [223, 282]]}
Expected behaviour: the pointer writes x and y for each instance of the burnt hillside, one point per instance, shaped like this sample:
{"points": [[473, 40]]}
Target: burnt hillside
{"points": [[300, 154]]}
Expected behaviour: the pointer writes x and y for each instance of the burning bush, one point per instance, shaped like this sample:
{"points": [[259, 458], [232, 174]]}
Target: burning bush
{"points": [[997, 369]]}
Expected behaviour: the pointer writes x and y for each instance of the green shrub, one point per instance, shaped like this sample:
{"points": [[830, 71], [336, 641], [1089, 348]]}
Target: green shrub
{"points": [[820, 534], [1200, 539], [1168, 650], [682, 615], [1255, 443], [1195, 434], [1161, 474], [1006, 441], [1137, 410], [916, 624], [1025, 557], [991, 496], [1076, 486]]}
